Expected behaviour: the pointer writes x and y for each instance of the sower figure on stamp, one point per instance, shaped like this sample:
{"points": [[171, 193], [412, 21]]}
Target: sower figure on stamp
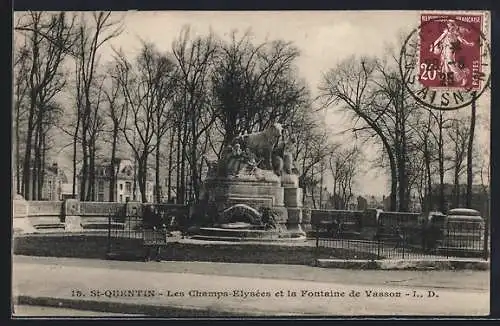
{"points": [[447, 45], [154, 235]]}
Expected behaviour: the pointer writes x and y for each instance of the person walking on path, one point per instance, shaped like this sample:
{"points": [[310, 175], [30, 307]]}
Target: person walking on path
{"points": [[154, 233]]}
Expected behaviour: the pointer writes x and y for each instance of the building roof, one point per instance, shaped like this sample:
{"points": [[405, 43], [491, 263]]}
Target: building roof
{"points": [[125, 169], [54, 169]]}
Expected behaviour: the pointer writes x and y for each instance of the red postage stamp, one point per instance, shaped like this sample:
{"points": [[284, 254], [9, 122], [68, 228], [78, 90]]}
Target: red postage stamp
{"points": [[450, 51], [445, 61]]}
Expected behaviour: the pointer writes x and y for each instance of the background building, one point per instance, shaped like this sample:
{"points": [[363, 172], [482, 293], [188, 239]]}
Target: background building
{"points": [[52, 180], [124, 188]]}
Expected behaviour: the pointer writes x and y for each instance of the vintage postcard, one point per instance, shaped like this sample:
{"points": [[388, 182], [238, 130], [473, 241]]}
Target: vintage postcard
{"points": [[184, 164]]}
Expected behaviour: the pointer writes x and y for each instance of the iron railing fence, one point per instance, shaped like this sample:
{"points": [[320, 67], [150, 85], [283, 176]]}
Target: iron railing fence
{"points": [[128, 230], [406, 241]]}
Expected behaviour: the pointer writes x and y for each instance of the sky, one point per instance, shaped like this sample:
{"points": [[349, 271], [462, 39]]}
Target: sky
{"points": [[323, 37]]}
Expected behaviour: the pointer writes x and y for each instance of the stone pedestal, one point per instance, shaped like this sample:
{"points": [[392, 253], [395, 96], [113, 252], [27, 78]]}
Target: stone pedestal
{"points": [[293, 197], [289, 180], [226, 192], [294, 219], [72, 218], [246, 201], [293, 203], [19, 207], [20, 220]]}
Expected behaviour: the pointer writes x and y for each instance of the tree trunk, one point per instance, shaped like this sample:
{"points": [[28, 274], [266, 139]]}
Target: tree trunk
{"points": [[335, 200], [441, 165], [178, 179], [456, 183], [112, 179], [427, 159], [194, 169], [312, 188], [34, 176], [170, 165], [27, 164], [136, 163], [41, 164], [75, 172], [90, 174], [321, 187], [429, 179], [303, 179], [18, 159], [142, 178], [401, 181], [84, 173], [157, 171], [182, 197], [92, 171], [470, 148]]}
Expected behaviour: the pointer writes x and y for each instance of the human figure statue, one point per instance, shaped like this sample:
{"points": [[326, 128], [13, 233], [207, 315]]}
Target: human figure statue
{"points": [[447, 45], [283, 152], [234, 161], [222, 166]]}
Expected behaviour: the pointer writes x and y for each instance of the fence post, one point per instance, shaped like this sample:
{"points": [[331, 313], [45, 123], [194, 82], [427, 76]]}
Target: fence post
{"points": [[446, 240], [378, 243], [109, 234], [404, 242], [316, 250], [486, 240]]}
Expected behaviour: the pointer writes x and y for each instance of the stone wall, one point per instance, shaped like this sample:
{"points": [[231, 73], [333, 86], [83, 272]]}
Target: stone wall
{"points": [[399, 218], [75, 216], [363, 224], [70, 215], [100, 208], [329, 215], [45, 208]]}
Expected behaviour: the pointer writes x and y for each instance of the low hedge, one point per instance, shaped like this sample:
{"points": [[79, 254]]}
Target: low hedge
{"points": [[91, 246]]}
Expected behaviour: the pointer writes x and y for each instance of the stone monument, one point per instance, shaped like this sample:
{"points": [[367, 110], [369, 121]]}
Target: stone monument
{"points": [[72, 217], [252, 192], [20, 221]]}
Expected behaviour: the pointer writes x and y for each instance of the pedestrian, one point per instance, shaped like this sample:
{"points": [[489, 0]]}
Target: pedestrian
{"points": [[400, 239], [154, 233]]}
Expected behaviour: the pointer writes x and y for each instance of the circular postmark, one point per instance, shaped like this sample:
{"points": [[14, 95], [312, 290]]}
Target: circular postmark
{"points": [[445, 62]]}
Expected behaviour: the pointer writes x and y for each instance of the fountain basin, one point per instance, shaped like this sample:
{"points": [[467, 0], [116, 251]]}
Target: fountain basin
{"points": [[228, 234]]}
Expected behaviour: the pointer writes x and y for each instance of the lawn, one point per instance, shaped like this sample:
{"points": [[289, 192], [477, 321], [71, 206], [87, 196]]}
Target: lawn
{"points": [[96, 246]]}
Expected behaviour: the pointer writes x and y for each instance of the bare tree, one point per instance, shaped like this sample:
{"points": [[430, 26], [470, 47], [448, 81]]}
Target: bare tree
{"points": [[146, 84], [470, 149], [423, 124], [458, 133], [117, 107], [48, 36], [20, 96], [164, 112], [313, 147], [195, 59], [255, 85], [344, 165], [90, 39], [353, 85]]}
